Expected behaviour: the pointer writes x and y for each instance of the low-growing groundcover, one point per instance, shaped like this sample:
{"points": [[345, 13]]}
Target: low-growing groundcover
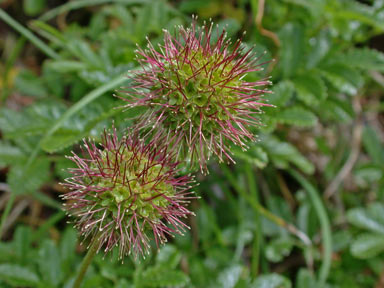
{"points": [[301, 205]]}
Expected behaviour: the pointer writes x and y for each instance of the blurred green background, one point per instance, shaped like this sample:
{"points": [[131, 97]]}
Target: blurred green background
{"points": [[302, 208]]}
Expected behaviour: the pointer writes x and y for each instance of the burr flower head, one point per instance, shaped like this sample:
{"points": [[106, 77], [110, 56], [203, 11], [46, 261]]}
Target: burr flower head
{"points": [[194, 88], [123, 191]]}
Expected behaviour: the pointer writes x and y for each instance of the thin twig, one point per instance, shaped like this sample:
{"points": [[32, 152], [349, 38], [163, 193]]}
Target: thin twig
{"points": [[14, 215], [378, 77], [353, 156], [259, 25], [285, 191], [4, 187]]}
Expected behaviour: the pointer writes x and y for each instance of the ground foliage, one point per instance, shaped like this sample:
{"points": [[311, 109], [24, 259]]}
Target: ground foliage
{"points": [[318, 164]]}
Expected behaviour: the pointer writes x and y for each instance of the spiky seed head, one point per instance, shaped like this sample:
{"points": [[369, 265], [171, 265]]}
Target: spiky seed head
{"points": [[194, 88], [125, 190]]}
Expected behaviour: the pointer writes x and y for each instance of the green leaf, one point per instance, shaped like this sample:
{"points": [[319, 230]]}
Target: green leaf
{"points": [[168, 256], [361, 13], [9, 154], [367, 245], [271, 281], [335, 109], [50, 263], [31, 121], [320, 46], [310, 88], [66, 66], [68, 244], [84, 52], [18, 276], [92, 117], [282, 93], [345, 79], [368, 174], [283, 153], [26, 180], [29, 84], [33, 7], [160, 277], [278, 248], [22, 241], [254, 155], [297, 116], [292, 39], [373, 145], [306, 279], [370, 218], [363, 58], [229, 277]]}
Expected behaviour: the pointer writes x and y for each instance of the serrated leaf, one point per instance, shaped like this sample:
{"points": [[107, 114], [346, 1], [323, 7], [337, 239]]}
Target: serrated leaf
{"points": [[363, 58], [297, 116], [370, 218], [310, 88], [33, 120], [356, 11], [343, 78], [367, 245], [62, 139], [18, 276], [81, 126], [283, 153], [84, 52], [336, 110]]}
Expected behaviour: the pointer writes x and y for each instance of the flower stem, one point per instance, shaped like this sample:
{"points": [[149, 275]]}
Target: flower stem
{"points": [[86, 262]]}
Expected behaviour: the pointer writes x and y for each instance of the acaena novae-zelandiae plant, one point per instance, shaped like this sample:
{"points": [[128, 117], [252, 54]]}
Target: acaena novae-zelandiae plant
{"points": [[126, 192], [194, 87]]}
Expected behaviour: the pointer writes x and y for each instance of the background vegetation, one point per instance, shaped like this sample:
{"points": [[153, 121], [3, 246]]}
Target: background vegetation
{"points": [[302, 208]]}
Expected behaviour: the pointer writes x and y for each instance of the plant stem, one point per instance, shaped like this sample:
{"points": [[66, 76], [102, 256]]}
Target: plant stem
{"points": [[324, 222], [7, 209], [255, 262], [86, 262], [28, 34], [263, 211]]}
